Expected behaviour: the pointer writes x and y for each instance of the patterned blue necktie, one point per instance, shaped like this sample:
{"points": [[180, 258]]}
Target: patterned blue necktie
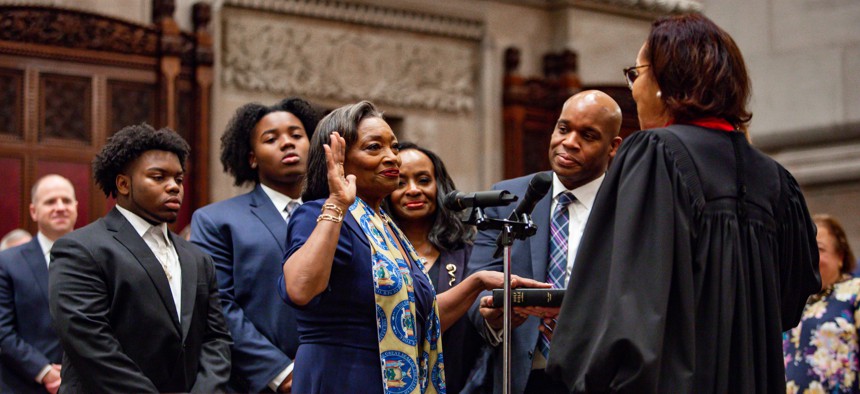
{"points": [[557, 269]]}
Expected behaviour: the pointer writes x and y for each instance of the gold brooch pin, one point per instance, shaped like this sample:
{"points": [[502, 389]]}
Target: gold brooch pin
{"points": [[451, 270]]}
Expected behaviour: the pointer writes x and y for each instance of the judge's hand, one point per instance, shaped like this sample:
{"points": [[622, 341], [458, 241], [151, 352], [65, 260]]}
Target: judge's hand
{"points": [[495, 317], [541, 311], [547, 327], [52, 379], [496, 280], [287, 385], [340, 185]]}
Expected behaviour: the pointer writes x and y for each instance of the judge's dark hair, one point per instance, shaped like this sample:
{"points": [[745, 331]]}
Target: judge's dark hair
{"points": [[700, 70], [842, 246], [345, 121], [236, 141], [448, 232], [127, 145]]}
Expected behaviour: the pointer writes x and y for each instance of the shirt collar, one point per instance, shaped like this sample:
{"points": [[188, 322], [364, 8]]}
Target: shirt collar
{"points": [[141, 226], [585, 194], [280, 200], [44, 243]]}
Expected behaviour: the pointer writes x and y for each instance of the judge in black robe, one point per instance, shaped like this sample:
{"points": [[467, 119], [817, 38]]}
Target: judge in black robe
{"points": [[698, 253]]}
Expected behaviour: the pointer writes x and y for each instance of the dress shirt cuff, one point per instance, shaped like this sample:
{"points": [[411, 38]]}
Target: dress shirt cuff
{"points": [[43, 373], [494, 337], [276, 382]]}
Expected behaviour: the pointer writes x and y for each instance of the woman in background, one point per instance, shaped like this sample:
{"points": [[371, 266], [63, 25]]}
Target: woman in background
{"points": [[821, 353], [445, 244]]}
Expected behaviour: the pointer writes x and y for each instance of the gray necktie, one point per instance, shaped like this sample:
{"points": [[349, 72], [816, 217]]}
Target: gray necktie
{"points": [[291, 206]]}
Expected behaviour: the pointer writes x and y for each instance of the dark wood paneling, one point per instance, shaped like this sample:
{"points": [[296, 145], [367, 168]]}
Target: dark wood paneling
{"points": [[70, 79], [131, 103], [11, 194], [11, 104], [66, 108]]}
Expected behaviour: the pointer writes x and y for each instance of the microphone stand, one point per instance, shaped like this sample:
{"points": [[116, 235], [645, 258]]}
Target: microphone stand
{"points": [[510, 230]]}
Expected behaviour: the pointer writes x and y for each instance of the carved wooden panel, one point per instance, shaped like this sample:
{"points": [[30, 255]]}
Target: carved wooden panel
{"points": [[537, 132], [79, 174], [75, 29], [10, 194], [66, 103], [131, 103], [11, 99], [185, 114]]}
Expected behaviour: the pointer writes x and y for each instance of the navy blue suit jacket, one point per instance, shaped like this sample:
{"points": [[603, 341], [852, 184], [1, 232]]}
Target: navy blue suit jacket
{"points": [[246, 237], [27, 339], [529, 259]]}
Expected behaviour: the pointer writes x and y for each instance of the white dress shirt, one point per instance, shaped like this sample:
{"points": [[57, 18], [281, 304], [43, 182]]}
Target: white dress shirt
{"points": [[157, 239], [579, 211], [281, 201], [46, 245]]}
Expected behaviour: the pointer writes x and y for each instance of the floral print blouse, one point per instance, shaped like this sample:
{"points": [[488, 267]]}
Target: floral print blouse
{"points": [[821, 353]]}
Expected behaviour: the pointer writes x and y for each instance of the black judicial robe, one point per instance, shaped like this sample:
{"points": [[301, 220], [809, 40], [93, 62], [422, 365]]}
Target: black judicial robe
{"points": [[698, 253]]}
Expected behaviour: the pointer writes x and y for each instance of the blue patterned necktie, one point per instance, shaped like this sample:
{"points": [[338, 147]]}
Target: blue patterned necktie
{"points": [[557, 269]]}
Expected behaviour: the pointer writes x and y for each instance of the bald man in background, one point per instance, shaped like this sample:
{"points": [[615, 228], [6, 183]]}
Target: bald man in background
{"points": [[583, 142], [31, 357]]}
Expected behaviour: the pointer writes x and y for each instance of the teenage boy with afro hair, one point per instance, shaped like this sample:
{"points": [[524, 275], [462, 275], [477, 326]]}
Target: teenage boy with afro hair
{"points": [[246, 236], [136, 307]]}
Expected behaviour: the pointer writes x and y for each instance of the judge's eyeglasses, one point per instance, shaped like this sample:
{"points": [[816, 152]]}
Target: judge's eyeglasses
{"points": [[631, 73]]}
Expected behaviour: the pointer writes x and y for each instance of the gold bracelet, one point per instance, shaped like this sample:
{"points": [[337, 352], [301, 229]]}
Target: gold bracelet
{"points": [[331, 218], [334, 208]]}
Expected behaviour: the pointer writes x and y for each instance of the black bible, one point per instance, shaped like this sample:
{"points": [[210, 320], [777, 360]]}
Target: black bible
{"points": [[529, 297]]}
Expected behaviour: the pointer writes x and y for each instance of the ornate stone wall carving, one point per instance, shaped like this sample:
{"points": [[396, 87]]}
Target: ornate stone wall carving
{"points": [[292, 55], [370, 15]]}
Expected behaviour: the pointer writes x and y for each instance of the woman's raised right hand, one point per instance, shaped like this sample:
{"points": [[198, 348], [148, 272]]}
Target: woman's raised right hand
{"points": [[340, 185]]}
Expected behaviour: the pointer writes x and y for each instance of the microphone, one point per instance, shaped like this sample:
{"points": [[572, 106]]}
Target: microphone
{"points": [[458, 201], [538, 187]]}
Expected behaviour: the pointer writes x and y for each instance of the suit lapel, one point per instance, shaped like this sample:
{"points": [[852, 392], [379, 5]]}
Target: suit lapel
{"points": [[189, 284], [128, 237], [263, 208], [353, 226], [36, 261], [539, 243]]}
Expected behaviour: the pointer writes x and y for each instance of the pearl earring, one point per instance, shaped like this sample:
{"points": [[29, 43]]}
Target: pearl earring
{"points": [[659, 94]]}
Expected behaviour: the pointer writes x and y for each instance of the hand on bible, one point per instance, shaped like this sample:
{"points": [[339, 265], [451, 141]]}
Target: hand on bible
{"points": [[493, 280], [494, 316]]}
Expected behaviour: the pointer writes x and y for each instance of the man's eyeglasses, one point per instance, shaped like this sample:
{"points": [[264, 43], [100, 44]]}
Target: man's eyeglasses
{"points": [[631, 73]]}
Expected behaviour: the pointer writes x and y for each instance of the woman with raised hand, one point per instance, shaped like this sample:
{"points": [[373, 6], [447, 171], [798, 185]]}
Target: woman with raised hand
{"points": [[369, 320]]}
